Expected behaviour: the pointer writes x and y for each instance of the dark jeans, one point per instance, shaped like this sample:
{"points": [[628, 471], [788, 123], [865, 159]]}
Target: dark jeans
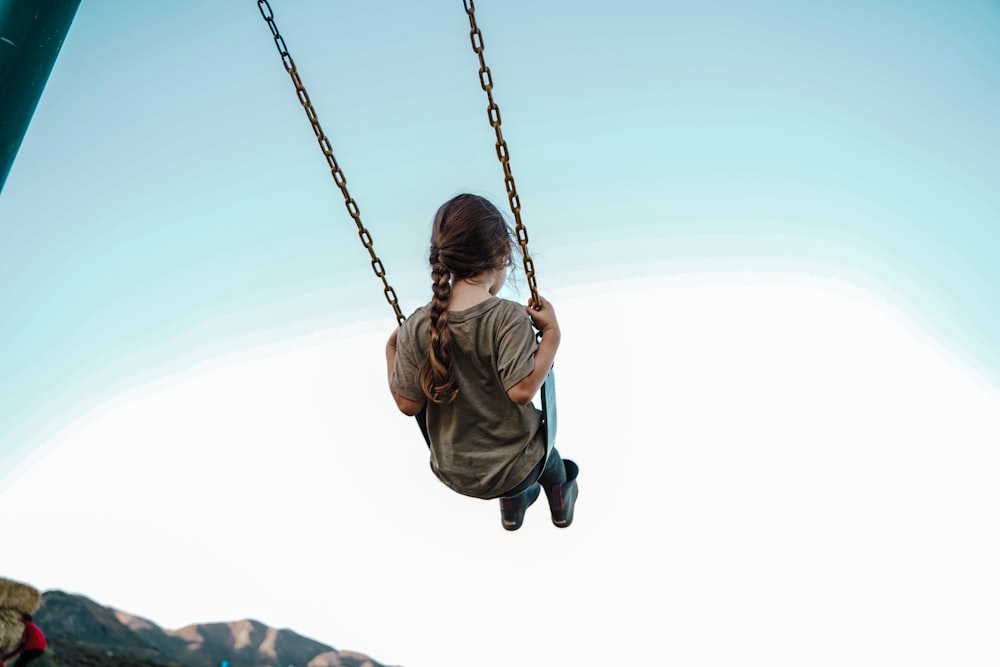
{"points": [[547, 473], [28, 656]]}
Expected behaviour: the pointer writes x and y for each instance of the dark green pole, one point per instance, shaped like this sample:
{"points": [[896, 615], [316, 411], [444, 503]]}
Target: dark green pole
{"points": [[31, 34]]}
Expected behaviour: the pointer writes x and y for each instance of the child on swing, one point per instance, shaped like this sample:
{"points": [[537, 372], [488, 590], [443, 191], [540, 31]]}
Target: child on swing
{"points": [[472, 360]]}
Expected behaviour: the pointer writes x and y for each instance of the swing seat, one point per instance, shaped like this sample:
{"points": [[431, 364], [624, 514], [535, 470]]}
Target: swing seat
{"points": [[549, 411]]}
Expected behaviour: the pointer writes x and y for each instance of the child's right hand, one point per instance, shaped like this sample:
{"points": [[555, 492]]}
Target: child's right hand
{"points": [[544, 319]]}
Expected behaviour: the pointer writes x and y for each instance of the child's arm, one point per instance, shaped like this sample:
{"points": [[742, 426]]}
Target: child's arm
{"points": [[406, 406], [545, 321]]}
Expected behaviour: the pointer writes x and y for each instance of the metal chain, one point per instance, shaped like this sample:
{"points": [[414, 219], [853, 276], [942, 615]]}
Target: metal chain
{"points": [[493, 113], [335, 170]]}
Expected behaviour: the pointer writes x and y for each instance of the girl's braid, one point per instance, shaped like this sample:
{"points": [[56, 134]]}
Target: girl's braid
{"points": [[437, 375]]}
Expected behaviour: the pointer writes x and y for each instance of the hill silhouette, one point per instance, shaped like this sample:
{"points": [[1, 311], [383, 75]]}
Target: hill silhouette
{"points": [[83, 633]]}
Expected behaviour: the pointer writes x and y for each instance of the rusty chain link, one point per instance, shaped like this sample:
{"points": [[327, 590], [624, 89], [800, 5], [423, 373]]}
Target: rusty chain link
{"points": [[335, 170], [493, 113]]}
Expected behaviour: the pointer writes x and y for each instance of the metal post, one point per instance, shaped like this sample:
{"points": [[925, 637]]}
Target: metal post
{"points": [[31, 34]]}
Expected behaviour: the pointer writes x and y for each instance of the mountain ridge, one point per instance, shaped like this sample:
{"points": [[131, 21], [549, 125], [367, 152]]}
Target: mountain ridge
{"points": [[74, 622]]}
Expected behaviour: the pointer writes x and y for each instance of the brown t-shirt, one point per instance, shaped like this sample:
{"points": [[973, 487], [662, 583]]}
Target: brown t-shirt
{"points": [[482, 443]]}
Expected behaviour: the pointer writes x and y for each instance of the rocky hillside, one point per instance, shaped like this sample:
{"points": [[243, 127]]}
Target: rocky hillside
{"points": [[70, 654], [83, 633]]}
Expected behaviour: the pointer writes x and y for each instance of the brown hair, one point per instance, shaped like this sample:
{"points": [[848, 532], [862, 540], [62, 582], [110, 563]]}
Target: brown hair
{"points": [[470, 236]]}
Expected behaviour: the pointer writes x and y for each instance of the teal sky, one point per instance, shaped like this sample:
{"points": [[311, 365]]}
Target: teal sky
{"points": [[169, 203]]}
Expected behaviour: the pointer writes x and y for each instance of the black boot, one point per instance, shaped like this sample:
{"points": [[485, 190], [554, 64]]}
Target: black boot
{"points": [[562, 497], [512, 507]]}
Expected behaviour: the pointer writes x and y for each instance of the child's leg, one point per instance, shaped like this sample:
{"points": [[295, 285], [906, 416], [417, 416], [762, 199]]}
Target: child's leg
{"points": [[554, 471]]}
